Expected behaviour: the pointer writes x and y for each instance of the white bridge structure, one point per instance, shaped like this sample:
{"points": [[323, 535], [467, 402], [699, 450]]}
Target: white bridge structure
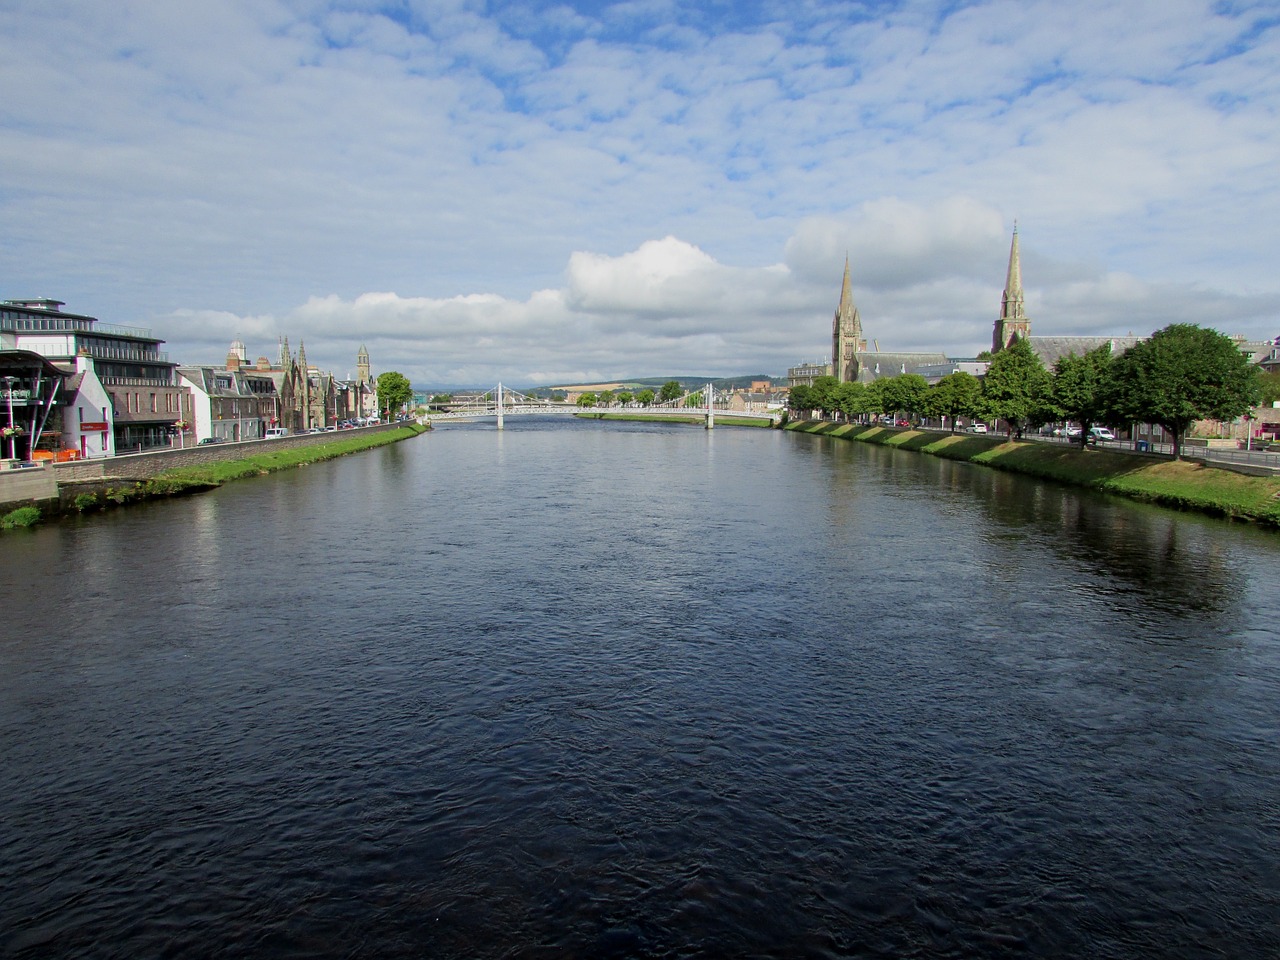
{"points": [[502, 401]]}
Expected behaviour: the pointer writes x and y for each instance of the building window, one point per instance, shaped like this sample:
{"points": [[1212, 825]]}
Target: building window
{"points": [[153, 403]]}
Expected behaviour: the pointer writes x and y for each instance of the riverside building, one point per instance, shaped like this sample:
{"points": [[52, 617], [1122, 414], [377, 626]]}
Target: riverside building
{"points": [[108, 388]]}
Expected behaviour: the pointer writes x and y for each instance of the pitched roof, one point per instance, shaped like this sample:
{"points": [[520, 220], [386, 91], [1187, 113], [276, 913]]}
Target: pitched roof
{"points": [[873, 366], [1051, 349]]}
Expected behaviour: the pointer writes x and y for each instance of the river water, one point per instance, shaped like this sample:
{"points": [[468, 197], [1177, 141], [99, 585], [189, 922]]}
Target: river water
{"points": [[580, 689]]}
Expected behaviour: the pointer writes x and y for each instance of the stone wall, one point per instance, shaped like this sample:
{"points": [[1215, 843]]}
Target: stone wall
{"points": [[26, 485]]}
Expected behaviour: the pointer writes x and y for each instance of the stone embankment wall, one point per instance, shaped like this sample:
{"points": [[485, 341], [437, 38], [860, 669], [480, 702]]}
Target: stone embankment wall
{"points": [[26, 485]]}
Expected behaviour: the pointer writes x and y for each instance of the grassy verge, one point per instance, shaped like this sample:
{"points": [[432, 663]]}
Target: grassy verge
{"points": [[725, 419], [1182, 484], [217, 473], [186, 480]]}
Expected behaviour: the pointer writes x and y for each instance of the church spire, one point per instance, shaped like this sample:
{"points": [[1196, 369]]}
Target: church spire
{"points": [[846, 332], [1013, 320], [362, 364]]}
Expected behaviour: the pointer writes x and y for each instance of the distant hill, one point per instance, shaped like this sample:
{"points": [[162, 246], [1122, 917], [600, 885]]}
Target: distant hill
{"points": [[634, 384], [655, 383]]}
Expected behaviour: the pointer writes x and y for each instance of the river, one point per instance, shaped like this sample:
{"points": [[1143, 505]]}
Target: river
{"points": [[583, 689]]}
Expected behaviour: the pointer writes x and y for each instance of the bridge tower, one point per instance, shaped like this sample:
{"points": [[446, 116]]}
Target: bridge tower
{"points": [[710, 394], [497, 395]]}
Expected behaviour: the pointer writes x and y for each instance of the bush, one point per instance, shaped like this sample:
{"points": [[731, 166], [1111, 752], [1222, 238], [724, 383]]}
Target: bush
{"points": [[22, 517], [86, 501]]}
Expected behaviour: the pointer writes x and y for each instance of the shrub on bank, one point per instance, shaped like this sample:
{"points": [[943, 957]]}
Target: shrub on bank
{"points": [[22, 517]]}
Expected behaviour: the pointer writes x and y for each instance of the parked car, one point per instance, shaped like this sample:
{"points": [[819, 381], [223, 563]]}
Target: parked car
{"points": [[201, 443], [978, 428], [1100, 433], [275, 432]]}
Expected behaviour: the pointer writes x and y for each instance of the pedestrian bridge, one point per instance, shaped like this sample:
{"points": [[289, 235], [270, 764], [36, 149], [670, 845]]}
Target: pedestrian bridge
{"points": [[502, 401]]}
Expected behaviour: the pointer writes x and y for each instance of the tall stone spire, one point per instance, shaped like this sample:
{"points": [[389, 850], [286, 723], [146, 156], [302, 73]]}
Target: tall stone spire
{"points": [[846, 333], [362, 364], [1013, 320]]}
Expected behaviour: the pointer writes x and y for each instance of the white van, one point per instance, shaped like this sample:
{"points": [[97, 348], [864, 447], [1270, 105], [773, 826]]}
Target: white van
{"points": [[1100, 433], [275, 432]]}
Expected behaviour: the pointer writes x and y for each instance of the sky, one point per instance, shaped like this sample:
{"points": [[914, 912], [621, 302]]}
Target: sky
{"points": [[540, 192]]}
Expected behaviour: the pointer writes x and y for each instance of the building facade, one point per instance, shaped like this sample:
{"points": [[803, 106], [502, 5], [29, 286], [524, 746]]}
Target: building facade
{"points": [[233, 402], [146, 398]]}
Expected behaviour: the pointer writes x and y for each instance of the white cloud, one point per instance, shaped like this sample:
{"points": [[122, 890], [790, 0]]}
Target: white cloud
{"points": [[681, 183], [670, 307]]}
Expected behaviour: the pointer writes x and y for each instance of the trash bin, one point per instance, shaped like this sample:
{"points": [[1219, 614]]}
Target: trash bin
{"points": [[1142, 446]]}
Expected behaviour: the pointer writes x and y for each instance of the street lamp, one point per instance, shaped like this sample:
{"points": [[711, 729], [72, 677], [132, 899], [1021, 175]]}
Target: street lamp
{"points": [[8, 392]]}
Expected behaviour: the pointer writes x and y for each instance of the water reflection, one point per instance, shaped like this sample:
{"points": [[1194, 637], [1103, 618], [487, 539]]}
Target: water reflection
{"points": [[1146, 555]]}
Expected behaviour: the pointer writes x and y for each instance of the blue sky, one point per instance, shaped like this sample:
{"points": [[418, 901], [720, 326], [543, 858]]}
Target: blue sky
{"points": [[546, 192]]}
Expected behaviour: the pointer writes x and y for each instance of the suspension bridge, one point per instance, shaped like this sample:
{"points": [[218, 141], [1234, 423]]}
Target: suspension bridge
{"points": [[500, 402]]}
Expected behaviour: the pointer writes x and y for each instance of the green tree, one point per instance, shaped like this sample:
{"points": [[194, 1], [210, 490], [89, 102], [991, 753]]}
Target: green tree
{"points": [[1079, 388], [873, 397], [587, 400], [822, 395], [850, 397], [799, 399], [1016, 387], [904, 393], [694, 400], [625, 398], [1179, 375], [671, 390], [1269, 384], [394, 391], [605, 399], [954, 396], [645, 397]]}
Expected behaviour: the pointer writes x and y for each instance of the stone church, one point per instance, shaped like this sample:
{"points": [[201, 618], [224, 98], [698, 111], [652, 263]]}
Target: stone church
{"points": [[851, 361], [1013, 322]]}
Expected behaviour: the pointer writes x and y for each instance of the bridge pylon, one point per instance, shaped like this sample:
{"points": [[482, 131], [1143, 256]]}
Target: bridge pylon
{"points": [[710, 394], [497, 396]]}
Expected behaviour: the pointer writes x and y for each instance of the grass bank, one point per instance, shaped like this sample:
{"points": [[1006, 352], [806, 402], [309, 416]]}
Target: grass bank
{"points": [[182, 481], [1182, 484], [218, 473], [725, 419]]}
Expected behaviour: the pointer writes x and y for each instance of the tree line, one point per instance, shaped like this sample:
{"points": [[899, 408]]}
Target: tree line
{"points": [[1179, 375], [671, 390]]}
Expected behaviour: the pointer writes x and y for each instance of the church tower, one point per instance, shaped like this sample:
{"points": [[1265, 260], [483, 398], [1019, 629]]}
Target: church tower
{"points": [[304, 383], [362, 365], [846, 333], [1013, 321]]}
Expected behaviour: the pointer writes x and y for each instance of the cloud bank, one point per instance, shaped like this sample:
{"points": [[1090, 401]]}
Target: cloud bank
{"points": [[578, 191]]}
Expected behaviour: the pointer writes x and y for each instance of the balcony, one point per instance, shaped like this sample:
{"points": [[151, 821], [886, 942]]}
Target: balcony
{"points": [[56, 324]]}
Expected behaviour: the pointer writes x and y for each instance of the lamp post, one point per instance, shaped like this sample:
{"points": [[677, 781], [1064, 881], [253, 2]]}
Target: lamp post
{"points": [[8, 393]]}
